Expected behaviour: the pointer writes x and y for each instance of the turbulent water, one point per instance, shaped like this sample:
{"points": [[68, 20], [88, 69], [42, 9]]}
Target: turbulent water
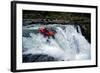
{"points": [[68, 44]]}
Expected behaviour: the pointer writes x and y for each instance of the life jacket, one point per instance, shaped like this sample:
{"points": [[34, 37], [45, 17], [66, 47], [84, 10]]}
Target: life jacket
{"points": [[41, 29]]}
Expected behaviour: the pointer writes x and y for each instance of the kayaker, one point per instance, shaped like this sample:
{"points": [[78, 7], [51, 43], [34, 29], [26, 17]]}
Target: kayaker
{"points": [[47, 32]]}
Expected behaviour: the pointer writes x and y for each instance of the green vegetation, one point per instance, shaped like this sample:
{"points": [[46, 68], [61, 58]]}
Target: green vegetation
{"points": [[84, 17]]}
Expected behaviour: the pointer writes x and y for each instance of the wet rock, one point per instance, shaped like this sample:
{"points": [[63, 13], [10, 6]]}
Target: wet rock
{"points": [[86, 32], [37, 58]]}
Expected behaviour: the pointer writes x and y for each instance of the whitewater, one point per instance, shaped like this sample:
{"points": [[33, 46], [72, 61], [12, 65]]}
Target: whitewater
{"points": [[69, 43]]}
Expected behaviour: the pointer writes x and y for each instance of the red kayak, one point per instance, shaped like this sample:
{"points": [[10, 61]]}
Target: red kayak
{"points": [[46, 32]]}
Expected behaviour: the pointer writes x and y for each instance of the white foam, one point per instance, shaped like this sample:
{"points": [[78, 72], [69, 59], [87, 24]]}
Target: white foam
{"points": [[67, 45]]}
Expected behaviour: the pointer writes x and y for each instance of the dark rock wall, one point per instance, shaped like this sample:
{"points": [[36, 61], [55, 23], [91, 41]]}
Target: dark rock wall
{"points": [[37, 58]]}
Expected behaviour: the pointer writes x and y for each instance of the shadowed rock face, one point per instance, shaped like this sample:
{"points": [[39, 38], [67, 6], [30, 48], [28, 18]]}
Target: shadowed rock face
{"points": [[86, 32], [37, 58]]}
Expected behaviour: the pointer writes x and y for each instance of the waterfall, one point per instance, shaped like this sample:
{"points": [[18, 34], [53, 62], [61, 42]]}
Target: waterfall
{"points": [[69, 44]]}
